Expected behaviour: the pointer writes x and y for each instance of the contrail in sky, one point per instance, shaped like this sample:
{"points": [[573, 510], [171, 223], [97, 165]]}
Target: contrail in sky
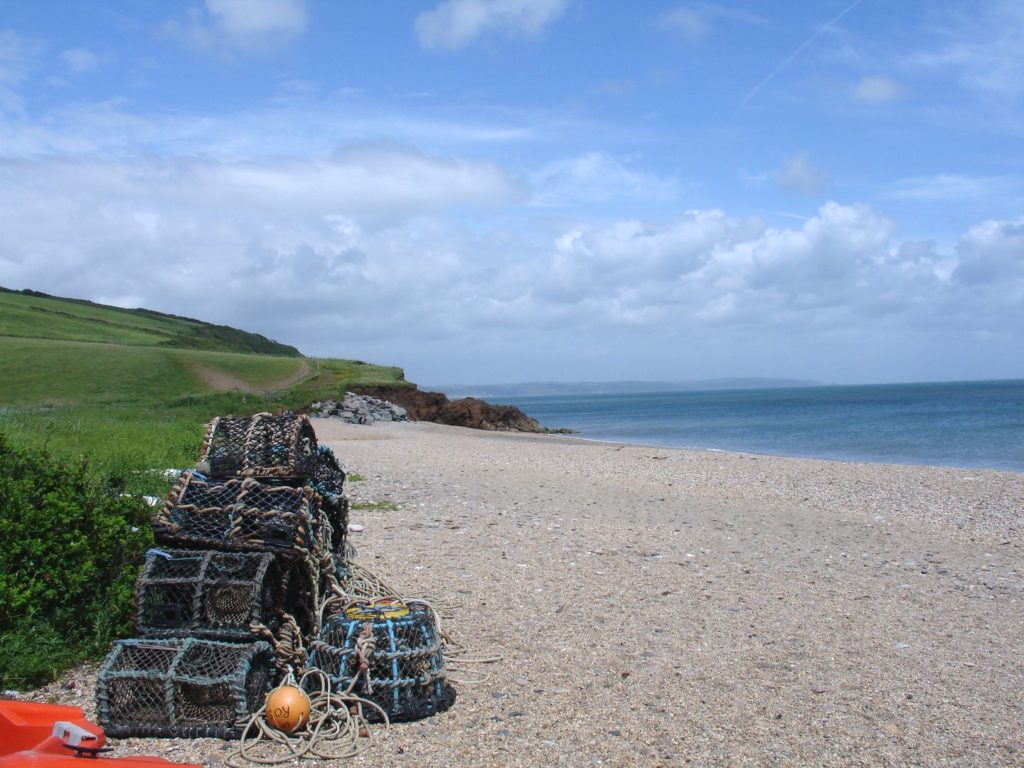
{"points": [[790, 215], [786, 61]]}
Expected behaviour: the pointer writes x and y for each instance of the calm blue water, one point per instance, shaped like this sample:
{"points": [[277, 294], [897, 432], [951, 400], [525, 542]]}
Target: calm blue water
{"points": [[968, 424]]}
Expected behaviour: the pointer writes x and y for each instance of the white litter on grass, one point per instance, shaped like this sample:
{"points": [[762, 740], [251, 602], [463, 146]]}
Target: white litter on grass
{"points": [[150, 500]]}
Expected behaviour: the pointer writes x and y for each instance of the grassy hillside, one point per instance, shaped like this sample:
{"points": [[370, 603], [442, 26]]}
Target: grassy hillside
{"points": [[128, 388], [73, 373], [30, 314]]}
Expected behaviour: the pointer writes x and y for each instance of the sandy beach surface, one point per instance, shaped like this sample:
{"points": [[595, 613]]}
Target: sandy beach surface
{"points": [[667, 607]]}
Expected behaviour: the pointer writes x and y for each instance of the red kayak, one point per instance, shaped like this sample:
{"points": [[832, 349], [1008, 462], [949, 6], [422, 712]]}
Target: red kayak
{"points": [[54, 736]]}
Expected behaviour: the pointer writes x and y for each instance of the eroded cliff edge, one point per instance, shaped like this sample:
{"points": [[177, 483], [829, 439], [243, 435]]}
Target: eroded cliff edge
{"points": [[467, 412]]}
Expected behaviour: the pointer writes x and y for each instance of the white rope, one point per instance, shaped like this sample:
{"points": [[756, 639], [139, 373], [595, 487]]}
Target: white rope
{"points": [[337, 727]]}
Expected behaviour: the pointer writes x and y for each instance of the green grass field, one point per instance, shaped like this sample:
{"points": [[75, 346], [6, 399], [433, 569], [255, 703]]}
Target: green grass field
{"points": [[76, 373], [105, 384]]}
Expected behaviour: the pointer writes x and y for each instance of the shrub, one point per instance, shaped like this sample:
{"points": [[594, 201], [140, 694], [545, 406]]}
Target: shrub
{"points": [[71, 545]]}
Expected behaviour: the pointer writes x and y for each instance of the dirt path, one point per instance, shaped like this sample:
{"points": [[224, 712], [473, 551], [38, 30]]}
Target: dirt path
{"points": [[299, 376], [226, 382]]}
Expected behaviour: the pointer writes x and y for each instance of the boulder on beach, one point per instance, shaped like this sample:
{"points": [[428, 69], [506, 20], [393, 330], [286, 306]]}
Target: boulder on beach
{"points": [[359, 409], [436, 407]]}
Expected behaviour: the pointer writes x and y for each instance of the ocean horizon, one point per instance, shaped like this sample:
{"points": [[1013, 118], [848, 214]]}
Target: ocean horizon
{"points": [[977, 424]]}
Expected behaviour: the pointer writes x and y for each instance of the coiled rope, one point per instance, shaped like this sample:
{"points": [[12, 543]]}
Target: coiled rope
{"points": [[337, 727], [289, 650]]}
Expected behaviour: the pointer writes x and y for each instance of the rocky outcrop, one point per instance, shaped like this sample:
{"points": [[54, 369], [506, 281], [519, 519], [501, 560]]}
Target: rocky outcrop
{"points": [[359, 409], [467, 412]]}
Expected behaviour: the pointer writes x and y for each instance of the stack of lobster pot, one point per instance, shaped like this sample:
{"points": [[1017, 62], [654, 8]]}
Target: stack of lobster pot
{"points": [[248, 546]]}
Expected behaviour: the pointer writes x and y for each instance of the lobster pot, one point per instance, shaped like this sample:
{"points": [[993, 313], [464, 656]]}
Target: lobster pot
{"points": [[218, 595], [336, 512], [242, 515], [261, 446], [328, 480], [406, 674], [329, 474], [185, 688]]}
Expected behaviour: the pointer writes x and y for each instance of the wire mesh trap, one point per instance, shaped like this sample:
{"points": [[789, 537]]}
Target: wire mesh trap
{"points": [[328, 480], [387, 651], [220, 595], [261, 446], [184, 687], [329, 474], [241, 515]]}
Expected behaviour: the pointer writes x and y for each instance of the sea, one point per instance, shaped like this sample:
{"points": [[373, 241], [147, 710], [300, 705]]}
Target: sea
{"points": [[977, 424]]}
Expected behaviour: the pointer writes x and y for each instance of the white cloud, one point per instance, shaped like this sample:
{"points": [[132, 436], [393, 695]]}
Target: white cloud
{"points": [[18, 55], [685, 21], [457, 23], [952, 186], [878, 89], [245, 26], [829, 249], [705, 266], [254, 21], [993, 252], [366, 253], [735, 14], [287, 127], [276, 246], [693, 21], [80, 60], [798, 174], [840, 270], [982, 48], [596, 178], [368, 183]]}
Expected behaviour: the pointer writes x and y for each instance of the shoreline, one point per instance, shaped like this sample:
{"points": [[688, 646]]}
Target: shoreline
{"points": [[661, 607], [911, 487], [697, 449]]}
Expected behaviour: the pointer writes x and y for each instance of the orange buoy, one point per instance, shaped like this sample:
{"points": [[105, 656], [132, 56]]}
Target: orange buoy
{"points": [[287, 708]]}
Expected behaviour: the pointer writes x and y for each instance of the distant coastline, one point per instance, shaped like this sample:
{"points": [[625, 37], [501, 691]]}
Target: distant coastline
{"points": [[625, 387]]}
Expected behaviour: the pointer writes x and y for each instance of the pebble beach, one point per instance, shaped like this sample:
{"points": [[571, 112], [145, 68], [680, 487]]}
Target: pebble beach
{"points": [[658, 607]]}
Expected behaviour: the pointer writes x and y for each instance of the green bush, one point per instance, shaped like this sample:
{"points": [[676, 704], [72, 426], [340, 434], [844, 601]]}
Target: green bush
{"points": [[71, 544]]}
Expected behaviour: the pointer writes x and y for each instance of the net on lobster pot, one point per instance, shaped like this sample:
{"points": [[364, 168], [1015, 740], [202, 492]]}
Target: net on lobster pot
{"points": [[260, 446], [387, 651], [220, 595], [182, 687]]}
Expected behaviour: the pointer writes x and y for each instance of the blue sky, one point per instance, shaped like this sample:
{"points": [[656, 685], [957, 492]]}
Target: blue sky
{"points": [[510, 190]]}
